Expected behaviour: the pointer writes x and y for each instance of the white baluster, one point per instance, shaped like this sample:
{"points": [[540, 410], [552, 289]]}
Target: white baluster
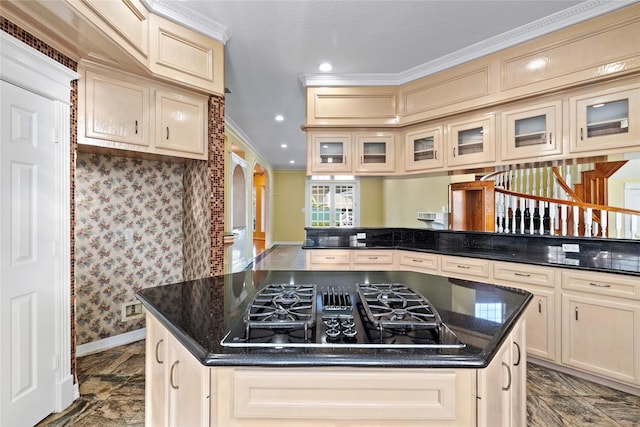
{"points": [[588, 218], [514, 205], [567, 180], [532, 206], [507, 203], [528, 174], [603, 221], [576, 216], [553, 210], [563, 219], [533, 184], [499, 211], [634, 226], [618, 225], [541, 210]]}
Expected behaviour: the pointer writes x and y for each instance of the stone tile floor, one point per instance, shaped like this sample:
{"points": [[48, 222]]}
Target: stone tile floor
{"points": [[112, 384]]}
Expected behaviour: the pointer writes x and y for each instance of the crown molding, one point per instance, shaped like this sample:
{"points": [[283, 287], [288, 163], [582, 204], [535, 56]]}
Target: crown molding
{"points": [[174, 11], [565, 18]]}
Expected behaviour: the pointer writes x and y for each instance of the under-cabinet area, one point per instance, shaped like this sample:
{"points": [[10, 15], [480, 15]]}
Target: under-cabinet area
{"points": [[231, 363]]}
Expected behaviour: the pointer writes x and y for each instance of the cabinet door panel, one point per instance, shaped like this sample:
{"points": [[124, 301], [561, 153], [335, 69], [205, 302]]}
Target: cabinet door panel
{"points": [[531, 132], [330, 153], [116, 110], [471, 141], [600, 336], [423, 149], [155, 373], [376, 153], [181, 124], [604, 120]]}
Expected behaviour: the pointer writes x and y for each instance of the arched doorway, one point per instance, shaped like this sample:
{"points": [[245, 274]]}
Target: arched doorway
{"points": [[260, 209]]}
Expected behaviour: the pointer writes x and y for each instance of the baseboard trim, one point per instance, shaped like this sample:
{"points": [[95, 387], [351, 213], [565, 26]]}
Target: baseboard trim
{"points": [[111, 342]]}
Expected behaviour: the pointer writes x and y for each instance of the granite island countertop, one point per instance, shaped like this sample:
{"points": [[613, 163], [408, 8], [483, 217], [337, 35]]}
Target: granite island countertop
{"points": [[199, 313]]}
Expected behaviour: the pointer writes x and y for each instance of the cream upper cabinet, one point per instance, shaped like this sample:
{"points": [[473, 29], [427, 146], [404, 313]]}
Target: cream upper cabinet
{"points": [[115, 109], [125, 21], [471, 141], [532, 132], [423, 149], [181, 124], [329, 153], [115, 112], [600, 324], [604, 120], [185, 55], [375, 152]]}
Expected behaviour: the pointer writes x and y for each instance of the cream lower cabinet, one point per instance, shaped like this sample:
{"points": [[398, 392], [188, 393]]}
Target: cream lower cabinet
{"points": [[348, 259], [502, 385], [281, 397], [177, 386], [599, 330], [543, 334]]}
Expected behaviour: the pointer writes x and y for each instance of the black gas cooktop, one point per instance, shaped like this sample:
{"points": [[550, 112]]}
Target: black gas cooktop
{"points": [[363, 315]]}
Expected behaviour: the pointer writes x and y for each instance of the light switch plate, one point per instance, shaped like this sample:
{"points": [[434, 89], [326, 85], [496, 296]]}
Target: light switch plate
{"points": [[570, 247], [361, 235]]}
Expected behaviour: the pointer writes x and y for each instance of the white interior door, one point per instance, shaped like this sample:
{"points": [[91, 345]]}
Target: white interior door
{"points": [[27, 256]]}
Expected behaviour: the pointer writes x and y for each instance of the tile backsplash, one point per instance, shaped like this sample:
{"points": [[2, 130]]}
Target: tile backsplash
{"points": [[116, 197]]}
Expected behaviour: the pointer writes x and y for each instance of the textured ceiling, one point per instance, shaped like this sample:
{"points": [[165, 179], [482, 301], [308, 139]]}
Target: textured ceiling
{"points": [[273, 43]]}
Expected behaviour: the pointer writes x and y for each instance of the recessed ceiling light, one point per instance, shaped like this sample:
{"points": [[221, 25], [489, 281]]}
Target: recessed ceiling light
{"points": [[292, 161], [279, 118], [283, 145], [325, 67]]}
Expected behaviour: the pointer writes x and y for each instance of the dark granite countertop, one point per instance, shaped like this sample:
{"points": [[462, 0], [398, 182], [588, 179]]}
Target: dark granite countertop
{"points": [[199, 313], [620, 256]]}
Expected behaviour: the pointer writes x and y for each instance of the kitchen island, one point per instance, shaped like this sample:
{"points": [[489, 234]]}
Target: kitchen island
{"points": [[192, 378]]}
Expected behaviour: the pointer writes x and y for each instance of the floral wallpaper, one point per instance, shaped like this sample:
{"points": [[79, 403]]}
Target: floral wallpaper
{"points": [[114, 194], [196, 224]]}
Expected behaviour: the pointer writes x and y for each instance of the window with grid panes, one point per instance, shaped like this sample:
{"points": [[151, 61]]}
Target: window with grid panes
{"points": [[332, 201]]}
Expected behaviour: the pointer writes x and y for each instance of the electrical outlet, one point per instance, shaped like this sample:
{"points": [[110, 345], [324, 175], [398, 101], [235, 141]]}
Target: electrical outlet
{"points": [[132, 310], [361, 235], [570, 247]]}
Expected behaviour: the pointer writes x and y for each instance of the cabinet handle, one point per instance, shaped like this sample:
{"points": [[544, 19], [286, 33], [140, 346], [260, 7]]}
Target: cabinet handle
{"points": [[539, 306], [160, 362], [466, 267], [417, 260], [435, 154], [173, 385], [519, 354], [454, 151], [576, 313], [136, 127], [509, 377], [373, 257], [522, 274], [600, 285], [581, 134], [550, 137], [329, 257], [167, 132]]}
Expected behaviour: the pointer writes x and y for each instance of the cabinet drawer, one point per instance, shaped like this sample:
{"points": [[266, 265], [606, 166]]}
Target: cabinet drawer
{"points": [[417, 261], [465, 267], [602, 284], [505, 273], [372, 257], [329, 258]]}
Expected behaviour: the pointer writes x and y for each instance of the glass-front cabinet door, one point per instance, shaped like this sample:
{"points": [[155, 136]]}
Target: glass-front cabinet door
{"points": [[609, 119], [532, 131], [331, 152], [471, 141], [375, 152], [423, 149]]}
